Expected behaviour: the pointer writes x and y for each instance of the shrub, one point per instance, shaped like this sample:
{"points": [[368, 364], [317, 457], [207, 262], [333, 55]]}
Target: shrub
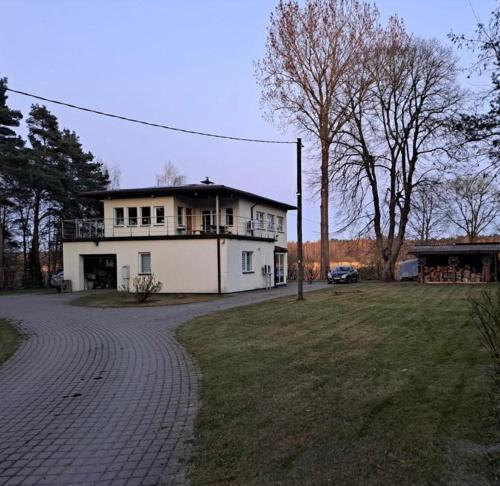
{"points": [[145, 286], [486, 312]]}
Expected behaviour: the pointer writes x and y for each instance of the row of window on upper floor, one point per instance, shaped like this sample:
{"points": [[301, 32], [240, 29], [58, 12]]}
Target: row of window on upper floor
{"points": [[156, 216]]}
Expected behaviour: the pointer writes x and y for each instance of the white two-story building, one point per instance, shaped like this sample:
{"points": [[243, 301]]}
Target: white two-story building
{"points": [[197, 238]]}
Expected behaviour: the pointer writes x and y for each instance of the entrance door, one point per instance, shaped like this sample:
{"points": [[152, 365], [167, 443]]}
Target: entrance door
{"points": [[279, 268], [189, 221]]}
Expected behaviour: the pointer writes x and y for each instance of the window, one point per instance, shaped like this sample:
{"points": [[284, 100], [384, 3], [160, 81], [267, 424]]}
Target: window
{"points": [[145, 215], [270, 222], [180, 216], [119, 214], [280, 224], [260, 220], [159, 215], [247, 261], [132, 216], [229, 217], [145, 263]]}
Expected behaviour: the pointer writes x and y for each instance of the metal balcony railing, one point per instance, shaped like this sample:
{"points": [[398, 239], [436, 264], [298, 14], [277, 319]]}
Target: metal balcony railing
{"points": [[97, 229]]}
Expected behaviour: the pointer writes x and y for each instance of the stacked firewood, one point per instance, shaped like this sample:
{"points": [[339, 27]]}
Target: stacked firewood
{"points": [[449, 274]]}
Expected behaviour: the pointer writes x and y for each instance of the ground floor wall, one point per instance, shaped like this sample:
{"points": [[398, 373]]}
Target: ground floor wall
{"points": [[182, 266]]}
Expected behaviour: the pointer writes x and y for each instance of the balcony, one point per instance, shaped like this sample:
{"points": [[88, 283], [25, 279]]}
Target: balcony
{"points": [[195, 227]]}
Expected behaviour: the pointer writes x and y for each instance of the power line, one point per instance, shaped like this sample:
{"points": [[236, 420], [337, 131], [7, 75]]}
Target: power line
{"points": [[142, 122], [473, 11]]}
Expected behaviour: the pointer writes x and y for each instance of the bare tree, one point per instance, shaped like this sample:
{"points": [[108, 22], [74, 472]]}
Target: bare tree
{"points": [[170, 176], [426, 216], [398, 133], [473, 204], [310, 53], [115, 175]]}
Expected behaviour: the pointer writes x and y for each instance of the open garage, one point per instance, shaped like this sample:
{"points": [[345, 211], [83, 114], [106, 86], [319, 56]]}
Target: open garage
{"points": [[99, 271]]}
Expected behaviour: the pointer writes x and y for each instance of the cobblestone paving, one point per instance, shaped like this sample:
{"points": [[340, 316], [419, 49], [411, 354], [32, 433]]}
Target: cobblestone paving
{"points": [[100, 396]]}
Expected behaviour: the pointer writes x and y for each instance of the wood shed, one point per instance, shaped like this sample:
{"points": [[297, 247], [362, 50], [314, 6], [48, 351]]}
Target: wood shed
{"points": [[458, 263]]}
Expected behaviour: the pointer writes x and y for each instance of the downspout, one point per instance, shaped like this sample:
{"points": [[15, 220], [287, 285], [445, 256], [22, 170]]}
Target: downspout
{"points": [[217, 232]]}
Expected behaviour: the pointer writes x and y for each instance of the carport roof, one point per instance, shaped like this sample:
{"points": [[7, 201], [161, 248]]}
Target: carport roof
{"points": [[189, 190], [455, 248]]}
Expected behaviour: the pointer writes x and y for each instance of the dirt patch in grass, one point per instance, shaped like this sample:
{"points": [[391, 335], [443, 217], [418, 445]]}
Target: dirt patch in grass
{"points": [[378, 387], [108, 298], [10, 338]]}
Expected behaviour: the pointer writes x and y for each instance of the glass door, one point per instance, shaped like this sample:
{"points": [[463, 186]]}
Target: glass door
{"points": [[279, 268]]}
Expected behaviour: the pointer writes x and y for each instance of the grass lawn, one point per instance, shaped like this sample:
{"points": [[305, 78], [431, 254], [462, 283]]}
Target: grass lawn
{"points": [[370, 384], [9, 340], [110, 298]]}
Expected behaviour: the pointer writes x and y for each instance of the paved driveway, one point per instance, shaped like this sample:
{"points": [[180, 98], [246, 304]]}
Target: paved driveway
{"points": [[100, 396]]}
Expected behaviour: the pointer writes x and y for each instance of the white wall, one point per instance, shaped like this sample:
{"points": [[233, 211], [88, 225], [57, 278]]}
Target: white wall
{"points": [[263, 254], [181, 265], [185, 265]]}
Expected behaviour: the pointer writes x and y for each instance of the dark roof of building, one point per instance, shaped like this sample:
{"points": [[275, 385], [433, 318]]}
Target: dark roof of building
{"points": [[455, 248], [189, 190]]}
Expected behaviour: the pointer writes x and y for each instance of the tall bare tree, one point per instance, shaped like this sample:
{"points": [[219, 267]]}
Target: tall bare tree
{"points": [[473, 204], [398, 133], [310, 54]]}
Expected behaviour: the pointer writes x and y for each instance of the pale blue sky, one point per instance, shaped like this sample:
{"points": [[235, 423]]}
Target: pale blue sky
{"points": [[181, 63]]}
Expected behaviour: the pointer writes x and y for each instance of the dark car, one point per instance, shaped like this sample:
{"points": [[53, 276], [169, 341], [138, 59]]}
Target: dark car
{"points": [[343, 274], [56, 281]]}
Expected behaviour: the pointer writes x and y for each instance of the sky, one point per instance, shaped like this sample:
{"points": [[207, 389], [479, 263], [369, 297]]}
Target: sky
{"points": [[188, 64]]}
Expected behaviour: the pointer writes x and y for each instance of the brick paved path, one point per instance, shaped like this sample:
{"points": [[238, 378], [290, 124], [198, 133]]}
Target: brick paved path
{"points": [[100, 396]]}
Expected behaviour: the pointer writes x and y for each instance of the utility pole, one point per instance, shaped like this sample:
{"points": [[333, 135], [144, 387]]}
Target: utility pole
{"points": [[300, 265]]}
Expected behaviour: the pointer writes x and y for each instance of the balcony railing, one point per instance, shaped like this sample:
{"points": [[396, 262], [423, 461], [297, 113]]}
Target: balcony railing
{"points": [[97, 229]]}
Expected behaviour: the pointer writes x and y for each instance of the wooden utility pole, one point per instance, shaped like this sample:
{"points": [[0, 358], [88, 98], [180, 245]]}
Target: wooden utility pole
{"points": [[300, 266]]}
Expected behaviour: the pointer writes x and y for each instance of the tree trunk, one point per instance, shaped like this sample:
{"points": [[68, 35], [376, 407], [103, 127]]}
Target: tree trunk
{"points": [[325, 199], [35, 272], [2, 254]]}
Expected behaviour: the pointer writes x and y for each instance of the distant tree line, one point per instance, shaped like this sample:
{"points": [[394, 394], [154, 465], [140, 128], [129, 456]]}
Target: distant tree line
{"points": [[402, 148], [41, 179]]}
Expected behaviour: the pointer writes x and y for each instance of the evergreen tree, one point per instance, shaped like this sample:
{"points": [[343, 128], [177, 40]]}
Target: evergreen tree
{"points": [[44, 180], [483, 128], [11, 146]]}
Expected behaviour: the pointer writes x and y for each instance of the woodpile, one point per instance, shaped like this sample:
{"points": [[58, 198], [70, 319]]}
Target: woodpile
{"points": [[449, 274]]}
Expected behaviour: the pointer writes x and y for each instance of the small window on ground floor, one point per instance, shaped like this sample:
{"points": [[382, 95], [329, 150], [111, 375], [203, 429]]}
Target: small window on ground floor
{"points": [[145, 263], [247, 261], [119, 216]]}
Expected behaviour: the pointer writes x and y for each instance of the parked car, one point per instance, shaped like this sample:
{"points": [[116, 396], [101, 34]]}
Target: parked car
{"points": [[343, 274], [56, 281]]}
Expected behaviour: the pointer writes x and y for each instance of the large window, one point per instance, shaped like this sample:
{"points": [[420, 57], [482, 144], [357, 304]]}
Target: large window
{"points": [[280, 226], [119, 216], [132, 216], [247, 261], [146, 216], [270, 222], [229, 217], [159, 215], [144, 263], [260, 220]]}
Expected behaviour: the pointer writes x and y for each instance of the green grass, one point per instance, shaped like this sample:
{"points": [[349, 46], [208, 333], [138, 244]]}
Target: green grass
{"points": [[372, 384], [28, 291], [9, 340], [110, 298]]}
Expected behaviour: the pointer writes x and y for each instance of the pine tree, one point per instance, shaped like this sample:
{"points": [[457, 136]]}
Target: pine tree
{"points": [[11, 146], [43, 178]]}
